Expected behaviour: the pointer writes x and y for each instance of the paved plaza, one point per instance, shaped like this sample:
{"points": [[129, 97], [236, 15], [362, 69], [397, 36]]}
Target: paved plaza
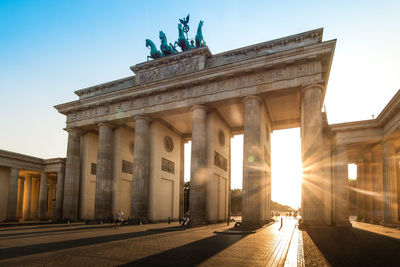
{"points": [[213, 245], [147, 245]]}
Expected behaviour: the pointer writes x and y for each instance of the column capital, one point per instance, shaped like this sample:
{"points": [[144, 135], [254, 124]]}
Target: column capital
{"points": [[104, 123], [255, 97], [141, 117], [14, 169], [73, 130], [388, 141], [312, 86], [199, 107]]}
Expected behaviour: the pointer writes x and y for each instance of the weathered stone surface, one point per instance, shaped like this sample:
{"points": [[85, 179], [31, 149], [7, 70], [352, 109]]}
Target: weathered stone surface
{"points": [[59, 195], [198, 172], [12, 195], [26, 213], [252, 167], [377, 185], [390, 204], [341, 196], [311, 145], [368, 189], [43, 195], [140, 180], [360, 191], [104, 171], [72, 175]]}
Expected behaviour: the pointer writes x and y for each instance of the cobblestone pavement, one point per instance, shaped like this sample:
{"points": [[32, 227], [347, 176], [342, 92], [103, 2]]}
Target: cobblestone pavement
{"points": [[147, 245]]}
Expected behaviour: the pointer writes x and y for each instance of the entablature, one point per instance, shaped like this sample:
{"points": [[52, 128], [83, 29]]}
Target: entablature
{"points": [[292, 68]]}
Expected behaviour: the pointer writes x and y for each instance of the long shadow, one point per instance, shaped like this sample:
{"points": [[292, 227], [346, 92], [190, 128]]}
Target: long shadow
{"points": [[7, 253], [355, 247], [190, 254], [40, 233], [47, 225]]}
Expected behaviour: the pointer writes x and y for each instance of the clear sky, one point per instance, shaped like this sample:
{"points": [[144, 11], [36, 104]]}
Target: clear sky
{"points": [[48, 49]]}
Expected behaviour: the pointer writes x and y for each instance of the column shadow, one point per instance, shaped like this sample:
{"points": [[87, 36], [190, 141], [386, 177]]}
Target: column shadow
{"points": [[41, 233], [13, 252], [190, 254], [42, 226], [354, 247]]}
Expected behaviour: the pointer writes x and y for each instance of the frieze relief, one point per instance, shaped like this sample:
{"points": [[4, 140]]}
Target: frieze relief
{"points": [[246, 80], [168, 71]]}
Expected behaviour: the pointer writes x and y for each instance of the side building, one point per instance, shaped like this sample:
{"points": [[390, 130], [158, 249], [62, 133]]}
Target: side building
{"points": [[30, 188]]}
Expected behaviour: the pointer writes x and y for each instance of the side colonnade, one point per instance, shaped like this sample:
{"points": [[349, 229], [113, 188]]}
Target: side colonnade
{"points": [[29, 186], [378, 184]]}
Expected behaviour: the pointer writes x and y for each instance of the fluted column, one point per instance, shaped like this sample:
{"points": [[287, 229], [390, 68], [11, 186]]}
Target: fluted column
{"points": [[26, 210], [341, 196], [368, 189], [311, 150], [20, 201], [43, 196], [198, 172], [59, 195], [12, 195], [252, 158], [51, 198], [360, 191], [104, 174], [35, 198], [182, 180], [72, 175], [390, 205], [377, 184], [141, 163]]}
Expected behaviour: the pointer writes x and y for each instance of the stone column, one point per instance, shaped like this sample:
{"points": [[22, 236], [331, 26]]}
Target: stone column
{"points": [[390, 206], [20, 202], [377, 184], [35, 198], [182, 179], [341, 196], [59, 195], [141, 162], [368, 189], [51, 198], [104, 174], [43, 196], [72, 175], [360, 191], [12, 195], [26, 210], [229, 179], [252, 162], [198, 172], [311, 146]]}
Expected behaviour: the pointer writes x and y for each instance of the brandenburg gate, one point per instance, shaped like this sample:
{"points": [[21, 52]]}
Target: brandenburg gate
{"points": [[126, 138]]}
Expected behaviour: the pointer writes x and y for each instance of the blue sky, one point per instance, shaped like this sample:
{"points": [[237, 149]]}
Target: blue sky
{"points": [[48, 49]]}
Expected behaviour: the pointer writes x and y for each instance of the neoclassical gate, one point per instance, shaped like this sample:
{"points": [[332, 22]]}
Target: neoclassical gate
{"points": [[126, 137]]}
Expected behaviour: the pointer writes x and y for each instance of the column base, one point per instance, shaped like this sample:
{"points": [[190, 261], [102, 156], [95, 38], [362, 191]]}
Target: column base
{"points": [[343, 224], [138, 221], [391, 225], [196, 223]]}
